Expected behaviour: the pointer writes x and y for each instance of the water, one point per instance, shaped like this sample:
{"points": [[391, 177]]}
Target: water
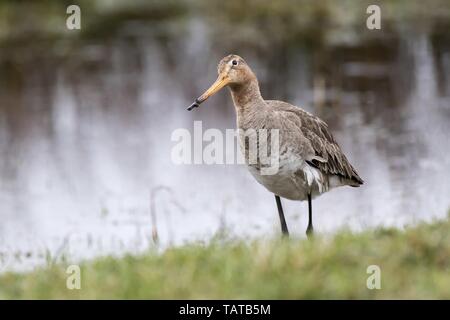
{"points": [[85, 139]]}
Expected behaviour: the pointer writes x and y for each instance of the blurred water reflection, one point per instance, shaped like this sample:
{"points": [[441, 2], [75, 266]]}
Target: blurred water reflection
{"points": [[85, 136]]}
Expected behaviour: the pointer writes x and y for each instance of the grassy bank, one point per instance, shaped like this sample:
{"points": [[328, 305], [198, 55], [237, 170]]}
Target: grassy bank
{"points": [[414, 263]]}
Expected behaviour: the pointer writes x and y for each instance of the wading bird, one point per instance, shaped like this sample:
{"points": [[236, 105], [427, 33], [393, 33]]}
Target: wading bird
{"points": [[310, 160]]}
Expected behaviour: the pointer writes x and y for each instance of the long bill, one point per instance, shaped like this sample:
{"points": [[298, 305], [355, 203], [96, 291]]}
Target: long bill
{"points": [[221, 82]]}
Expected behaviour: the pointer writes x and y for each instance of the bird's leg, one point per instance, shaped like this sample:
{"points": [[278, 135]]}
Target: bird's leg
{"points": [[310, 229], [284, 228]]}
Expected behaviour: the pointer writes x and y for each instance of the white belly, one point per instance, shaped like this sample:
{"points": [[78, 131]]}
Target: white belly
{"points": [[295, 179]]}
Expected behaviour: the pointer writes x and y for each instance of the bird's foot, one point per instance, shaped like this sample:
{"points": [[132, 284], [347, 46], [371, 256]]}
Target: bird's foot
{"points": [[310, 232]]}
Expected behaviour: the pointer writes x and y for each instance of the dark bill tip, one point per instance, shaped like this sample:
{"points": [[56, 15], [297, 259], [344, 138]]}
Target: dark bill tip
{"points": [[195, 104]]}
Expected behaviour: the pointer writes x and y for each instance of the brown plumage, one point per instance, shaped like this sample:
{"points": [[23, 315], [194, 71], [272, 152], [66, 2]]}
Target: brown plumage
{"points": [[310, 161], [321, 140]]}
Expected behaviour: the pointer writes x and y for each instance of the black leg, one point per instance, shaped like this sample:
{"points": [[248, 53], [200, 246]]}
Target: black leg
{"points": [[284, 227], [310, 229]]}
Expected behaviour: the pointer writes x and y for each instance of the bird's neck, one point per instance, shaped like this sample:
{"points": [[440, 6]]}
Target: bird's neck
{"points": [[247, 97]]}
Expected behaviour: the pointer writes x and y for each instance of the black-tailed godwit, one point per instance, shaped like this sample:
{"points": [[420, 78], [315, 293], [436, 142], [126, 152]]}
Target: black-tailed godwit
{"points": [[310, 160]]}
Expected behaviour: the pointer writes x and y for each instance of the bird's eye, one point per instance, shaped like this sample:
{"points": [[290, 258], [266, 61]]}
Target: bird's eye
{"points": [[234, 62]]}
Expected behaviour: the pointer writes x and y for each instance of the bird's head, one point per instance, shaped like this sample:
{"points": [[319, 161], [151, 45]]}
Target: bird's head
{"points": [[233, 72]]}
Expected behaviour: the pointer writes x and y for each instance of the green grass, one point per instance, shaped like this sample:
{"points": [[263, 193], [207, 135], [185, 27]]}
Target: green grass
{"points": [[415, 263]]}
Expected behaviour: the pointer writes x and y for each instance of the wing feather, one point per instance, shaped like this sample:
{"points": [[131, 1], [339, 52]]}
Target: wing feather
{"points": [[333, 160]]}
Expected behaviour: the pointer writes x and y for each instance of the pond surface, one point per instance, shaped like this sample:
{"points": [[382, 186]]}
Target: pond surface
{"points": [[85, 139]]}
